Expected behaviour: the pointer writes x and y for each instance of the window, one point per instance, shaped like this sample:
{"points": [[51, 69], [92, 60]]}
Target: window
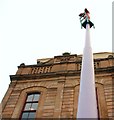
{"points": [[97, 103], [30, 107]]}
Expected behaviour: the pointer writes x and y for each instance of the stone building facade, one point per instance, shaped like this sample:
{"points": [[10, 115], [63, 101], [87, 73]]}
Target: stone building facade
{"points": [[54, 83]]}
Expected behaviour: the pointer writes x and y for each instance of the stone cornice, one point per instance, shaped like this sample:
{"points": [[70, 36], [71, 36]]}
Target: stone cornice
{"points": [[67, 62], [58, 74]]}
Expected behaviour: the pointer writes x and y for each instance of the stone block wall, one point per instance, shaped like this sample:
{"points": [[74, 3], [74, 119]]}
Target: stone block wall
{"points": [[58, 84]]}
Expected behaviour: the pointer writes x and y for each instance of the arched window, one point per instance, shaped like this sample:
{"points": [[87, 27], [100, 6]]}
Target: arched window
{"points": [[30, 107]]}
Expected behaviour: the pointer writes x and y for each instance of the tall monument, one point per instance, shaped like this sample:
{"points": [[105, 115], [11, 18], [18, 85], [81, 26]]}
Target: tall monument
{"points": [[87, 104]]}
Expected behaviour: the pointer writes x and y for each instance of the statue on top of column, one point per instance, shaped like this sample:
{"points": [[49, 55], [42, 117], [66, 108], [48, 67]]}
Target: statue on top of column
{"points": [[85, 19]]}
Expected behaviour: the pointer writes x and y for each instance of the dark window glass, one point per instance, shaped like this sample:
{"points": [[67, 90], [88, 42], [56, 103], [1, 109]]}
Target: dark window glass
{"points": [[29, 98], [34, 106], [31, 115], [25, 115], [27, 106], [36, 97], [31, 105]]}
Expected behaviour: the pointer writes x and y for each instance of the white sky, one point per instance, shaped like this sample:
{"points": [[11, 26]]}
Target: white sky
{"points": [[32, 29]]}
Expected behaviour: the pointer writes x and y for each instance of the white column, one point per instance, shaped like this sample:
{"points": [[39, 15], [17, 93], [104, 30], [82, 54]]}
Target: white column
{"points": [[87, 105]]}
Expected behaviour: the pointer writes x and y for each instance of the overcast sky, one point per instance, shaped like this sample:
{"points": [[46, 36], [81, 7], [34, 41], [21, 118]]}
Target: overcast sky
{"points": [[32, 29]]}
